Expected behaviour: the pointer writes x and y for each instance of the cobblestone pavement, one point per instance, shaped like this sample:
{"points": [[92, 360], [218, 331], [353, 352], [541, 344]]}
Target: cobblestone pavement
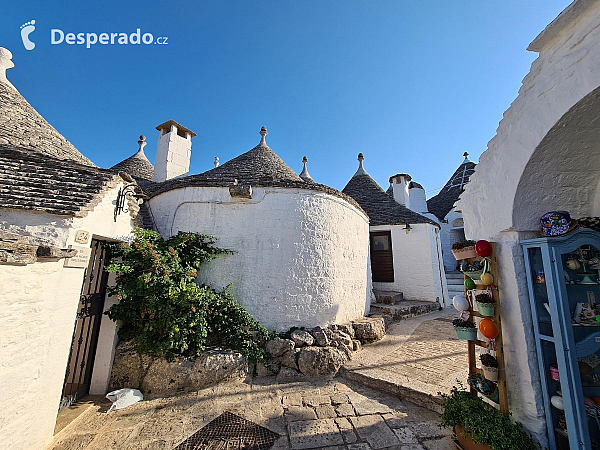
{"points": [[421, 354], [330, 415]]}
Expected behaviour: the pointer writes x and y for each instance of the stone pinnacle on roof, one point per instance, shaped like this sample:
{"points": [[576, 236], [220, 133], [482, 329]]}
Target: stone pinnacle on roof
{"points": [[304, 174], [263, 133], [5, 64], [216, 161], [137, 165], [467, 160], [361, 170], [142, 143]]}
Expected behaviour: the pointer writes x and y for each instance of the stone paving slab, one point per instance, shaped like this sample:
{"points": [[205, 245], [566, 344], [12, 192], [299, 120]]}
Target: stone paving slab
{"points": [[418, 358], [361, 418]]}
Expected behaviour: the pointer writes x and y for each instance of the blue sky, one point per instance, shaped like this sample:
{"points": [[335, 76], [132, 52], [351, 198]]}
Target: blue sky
{"points": [[411, 84]]}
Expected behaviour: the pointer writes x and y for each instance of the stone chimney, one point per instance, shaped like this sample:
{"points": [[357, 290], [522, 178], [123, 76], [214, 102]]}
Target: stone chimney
{"points": [[173, 151], [400, 183], [416, 194]]}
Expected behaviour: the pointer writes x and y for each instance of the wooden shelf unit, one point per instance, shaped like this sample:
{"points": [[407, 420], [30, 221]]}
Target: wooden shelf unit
{"points": [[502, 394]]}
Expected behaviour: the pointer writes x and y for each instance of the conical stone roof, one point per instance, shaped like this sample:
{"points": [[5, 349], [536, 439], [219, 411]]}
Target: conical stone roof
{"points": [[21, 126], [379, 206], [258, 167], [442, 203], [137, 165]]}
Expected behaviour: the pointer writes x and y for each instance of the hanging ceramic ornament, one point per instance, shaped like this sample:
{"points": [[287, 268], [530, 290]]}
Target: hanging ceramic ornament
{"points": [[557, 402], [483, 248], [469, 284], [460, 303], [487, 278], [488, 328]]}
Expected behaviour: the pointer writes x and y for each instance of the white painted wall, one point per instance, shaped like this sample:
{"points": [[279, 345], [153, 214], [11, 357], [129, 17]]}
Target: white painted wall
{"points": [[417, 200], [449, 234], [301, 256], [566, 71], [416, 263], [37, 315]]}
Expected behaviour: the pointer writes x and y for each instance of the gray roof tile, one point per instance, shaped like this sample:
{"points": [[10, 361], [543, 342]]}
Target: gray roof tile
{"points": [[442, 203], [31, 180], [23, 127]]}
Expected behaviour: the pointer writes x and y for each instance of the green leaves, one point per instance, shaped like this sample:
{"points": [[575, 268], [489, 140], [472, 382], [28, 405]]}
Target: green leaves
{"points": [[484, 423], [162, 307]]}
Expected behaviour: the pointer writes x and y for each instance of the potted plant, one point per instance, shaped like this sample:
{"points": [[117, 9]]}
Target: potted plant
{"points": [[490, 366], [464, 249], [479, 426], [484, 387], [465, 329], [485, 304], [473, 269]]}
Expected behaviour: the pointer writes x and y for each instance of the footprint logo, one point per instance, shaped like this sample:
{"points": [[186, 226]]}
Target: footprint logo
{"points": [[26, 30]]}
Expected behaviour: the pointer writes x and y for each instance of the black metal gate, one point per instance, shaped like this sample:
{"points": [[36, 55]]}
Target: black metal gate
{"points": [[87, 327]]}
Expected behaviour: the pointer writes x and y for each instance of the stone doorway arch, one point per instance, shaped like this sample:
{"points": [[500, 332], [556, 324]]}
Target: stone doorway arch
{"points": [[563, 173]]}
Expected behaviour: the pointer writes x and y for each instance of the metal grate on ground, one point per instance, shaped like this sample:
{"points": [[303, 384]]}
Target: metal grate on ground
{"points": [[229, 432]]}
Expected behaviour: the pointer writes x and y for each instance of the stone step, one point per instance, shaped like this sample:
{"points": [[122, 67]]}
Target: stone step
{"points": [[454, 276], [388, 297], [389, 386], [404, 309]]}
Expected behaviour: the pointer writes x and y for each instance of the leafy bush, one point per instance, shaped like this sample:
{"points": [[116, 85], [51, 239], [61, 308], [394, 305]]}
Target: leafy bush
{"points": [[463, 244], [460, 323], [165, 311], [488, 360], [484, 423]]}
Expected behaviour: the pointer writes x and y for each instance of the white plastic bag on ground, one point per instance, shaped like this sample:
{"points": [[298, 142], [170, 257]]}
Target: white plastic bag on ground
{"points": [[122, 398]]}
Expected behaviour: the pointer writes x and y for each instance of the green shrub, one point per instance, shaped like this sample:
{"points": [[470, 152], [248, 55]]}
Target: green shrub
{"points": [[165, 311], [484, 423]]}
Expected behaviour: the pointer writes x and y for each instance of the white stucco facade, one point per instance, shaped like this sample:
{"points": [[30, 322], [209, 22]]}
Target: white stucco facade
{"points": [[39, 304], [544, 157], [301, 256], [418, 268], [451, 232]]}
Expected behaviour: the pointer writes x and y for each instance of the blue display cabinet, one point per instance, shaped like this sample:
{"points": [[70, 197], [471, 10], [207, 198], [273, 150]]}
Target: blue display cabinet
{"points": [[562, 277]]}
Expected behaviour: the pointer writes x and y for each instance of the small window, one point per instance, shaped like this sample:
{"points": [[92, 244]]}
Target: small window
{"points": [[381, 243]]}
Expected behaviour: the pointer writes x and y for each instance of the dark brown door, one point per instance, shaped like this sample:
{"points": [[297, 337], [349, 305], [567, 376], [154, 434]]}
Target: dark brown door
{"points": [[382, 260], [87, 327]]}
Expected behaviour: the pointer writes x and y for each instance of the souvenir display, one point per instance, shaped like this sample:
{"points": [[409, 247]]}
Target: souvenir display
{"points": [[557, 223], [566, 322]]}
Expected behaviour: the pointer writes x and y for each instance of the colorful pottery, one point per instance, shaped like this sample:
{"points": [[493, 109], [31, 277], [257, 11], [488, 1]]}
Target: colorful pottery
{"points": [[460, 303], [485, 309], [469, 284], [557, 402], [483, 248], [487, 278], [466, 333], [488, 328], [573, 264]]}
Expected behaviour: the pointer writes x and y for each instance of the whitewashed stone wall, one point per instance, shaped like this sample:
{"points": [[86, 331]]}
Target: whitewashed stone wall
{"points": [[301, 256], [39, 302], [450, 234], [495, 205], [417, 271]]}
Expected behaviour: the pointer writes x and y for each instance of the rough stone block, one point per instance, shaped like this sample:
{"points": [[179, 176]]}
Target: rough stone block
{"points": [[369, 329], [314, 434], [374, 430]]}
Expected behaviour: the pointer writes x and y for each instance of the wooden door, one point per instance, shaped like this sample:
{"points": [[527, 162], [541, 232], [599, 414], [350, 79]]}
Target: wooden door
{"points": [[382, 259], [87, 327]]}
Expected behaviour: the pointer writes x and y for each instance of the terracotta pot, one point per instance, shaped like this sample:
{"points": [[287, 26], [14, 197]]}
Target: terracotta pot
{"points": [[466, 442]]}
